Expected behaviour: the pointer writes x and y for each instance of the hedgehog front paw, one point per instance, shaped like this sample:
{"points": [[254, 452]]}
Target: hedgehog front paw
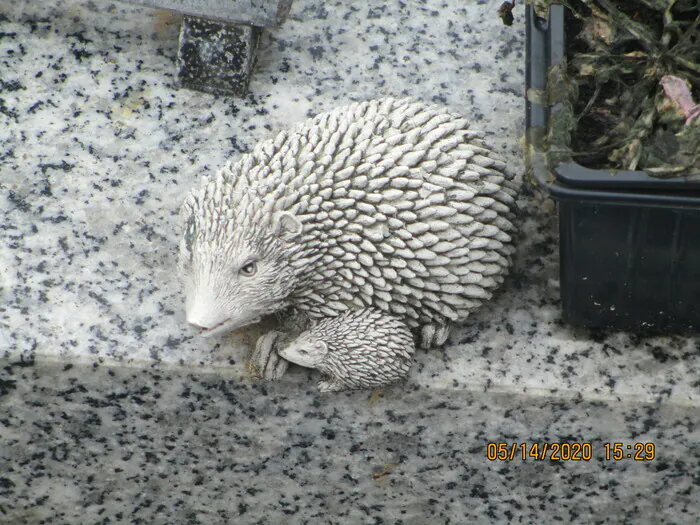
{"points": [[265, 360], [433, 335]]}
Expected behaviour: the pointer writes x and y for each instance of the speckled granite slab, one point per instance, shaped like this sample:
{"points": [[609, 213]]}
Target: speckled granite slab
{"points": [[98, 150], [126, 445]]}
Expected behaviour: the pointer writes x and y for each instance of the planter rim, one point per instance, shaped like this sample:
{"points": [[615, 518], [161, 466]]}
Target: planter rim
{"points": [[643, 197], [573, 174]]}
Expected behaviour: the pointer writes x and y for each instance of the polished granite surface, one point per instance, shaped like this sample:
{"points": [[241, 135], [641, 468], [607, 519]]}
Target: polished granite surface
{"points": [[147, 445], [112, 410]]}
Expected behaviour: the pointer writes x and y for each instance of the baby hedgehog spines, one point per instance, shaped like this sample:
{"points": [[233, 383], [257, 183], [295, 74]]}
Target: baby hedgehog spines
{"points": [[388, 204], [357, 349]]}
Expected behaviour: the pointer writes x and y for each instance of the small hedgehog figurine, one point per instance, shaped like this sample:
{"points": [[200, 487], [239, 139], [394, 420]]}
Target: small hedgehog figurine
{"points": [[357, 349], [387, 204]]}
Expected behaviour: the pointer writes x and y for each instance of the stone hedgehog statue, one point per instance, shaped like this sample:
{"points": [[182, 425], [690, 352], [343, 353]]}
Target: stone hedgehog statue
{"points": [[357, 349], [388, 204]]}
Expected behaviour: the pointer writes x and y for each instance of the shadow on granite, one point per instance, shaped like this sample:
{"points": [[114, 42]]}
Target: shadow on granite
{"points": [[98, 444]]}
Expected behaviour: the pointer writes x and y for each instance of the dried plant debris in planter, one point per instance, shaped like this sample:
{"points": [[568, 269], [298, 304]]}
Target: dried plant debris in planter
{"points": [[506, 12], [629, 87]]}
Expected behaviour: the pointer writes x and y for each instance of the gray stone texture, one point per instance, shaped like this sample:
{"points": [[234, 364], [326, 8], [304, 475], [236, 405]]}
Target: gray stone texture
{"points": [[216, 57], [264, 13]]}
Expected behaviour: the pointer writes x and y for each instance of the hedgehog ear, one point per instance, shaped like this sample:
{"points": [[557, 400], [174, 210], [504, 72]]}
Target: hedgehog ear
{"points": [[322, 346], [286, 225]]}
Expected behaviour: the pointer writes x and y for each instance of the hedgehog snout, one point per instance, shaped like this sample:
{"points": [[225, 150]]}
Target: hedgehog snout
{"points": [[203, 312], [199, 311]]}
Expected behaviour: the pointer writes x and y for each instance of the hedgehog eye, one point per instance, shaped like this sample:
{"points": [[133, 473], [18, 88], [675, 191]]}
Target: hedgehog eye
{"points": [[303, 352], [249, 268]]}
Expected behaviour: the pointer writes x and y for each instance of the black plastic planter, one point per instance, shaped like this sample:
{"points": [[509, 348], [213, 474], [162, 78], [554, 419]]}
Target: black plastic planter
{"points": [[629, 243]]}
